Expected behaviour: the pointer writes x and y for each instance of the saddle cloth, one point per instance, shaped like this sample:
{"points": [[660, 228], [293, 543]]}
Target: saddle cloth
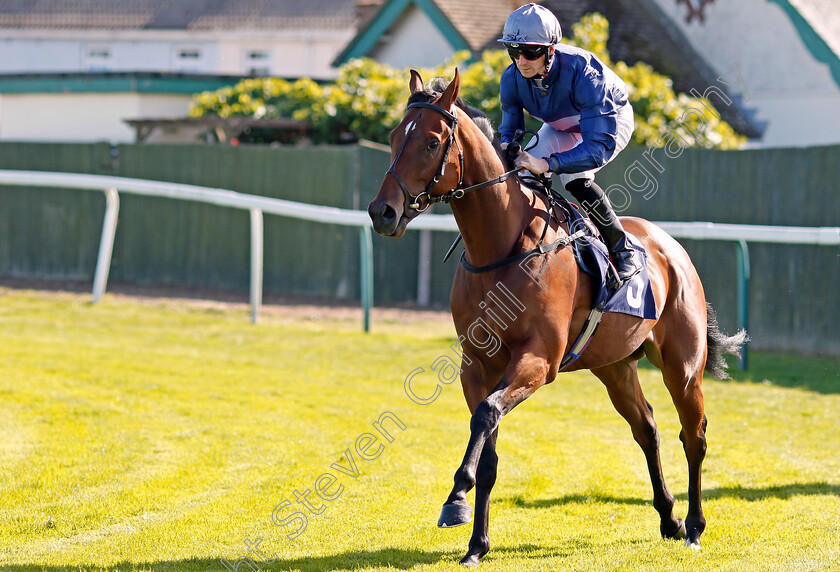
{"points": [[635, 296]]}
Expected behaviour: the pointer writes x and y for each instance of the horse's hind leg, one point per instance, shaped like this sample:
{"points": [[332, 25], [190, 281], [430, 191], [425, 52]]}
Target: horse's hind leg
{"points": [[682, 359], [622, 383], [688, 398]]}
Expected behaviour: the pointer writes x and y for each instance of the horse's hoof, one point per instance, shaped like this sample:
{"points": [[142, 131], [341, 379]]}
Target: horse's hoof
{"points": [[678, 534], [455, 515], [693, 545], [470, 560]]}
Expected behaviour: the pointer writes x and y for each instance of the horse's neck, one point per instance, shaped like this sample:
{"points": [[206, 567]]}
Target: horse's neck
{"points": [[492, 219]]}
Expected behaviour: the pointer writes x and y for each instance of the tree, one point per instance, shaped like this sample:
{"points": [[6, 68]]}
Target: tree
{"points": [[367, 99]]}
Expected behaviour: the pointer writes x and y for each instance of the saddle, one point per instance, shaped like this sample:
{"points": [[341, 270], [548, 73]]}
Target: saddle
{"points": [[634, 296]]}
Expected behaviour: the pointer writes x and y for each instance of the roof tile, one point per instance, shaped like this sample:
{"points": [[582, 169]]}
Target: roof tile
{"points": [[177, 14]]}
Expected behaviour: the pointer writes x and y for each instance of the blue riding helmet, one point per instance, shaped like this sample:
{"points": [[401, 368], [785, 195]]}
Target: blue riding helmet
{"points": [[531, 24]]}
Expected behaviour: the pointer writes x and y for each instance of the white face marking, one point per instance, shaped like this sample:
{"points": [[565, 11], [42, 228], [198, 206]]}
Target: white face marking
{"points": [[408, 128]]}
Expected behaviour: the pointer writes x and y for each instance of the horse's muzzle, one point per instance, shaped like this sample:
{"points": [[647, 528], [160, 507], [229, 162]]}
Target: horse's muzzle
{"points": [[386, 220]]}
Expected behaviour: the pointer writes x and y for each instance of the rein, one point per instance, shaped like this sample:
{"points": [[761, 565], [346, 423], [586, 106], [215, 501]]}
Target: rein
{"points": [[543, 248], [558, 244]]}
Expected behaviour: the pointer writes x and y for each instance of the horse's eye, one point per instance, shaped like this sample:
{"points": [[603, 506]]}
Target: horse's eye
{"points": [[434, 144]]}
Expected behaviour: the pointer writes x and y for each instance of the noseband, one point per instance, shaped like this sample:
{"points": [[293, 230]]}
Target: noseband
{"points": [[414, 201]]}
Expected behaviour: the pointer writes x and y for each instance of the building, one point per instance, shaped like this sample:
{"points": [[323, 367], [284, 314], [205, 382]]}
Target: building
{"points": [[777, 61], [785, 53], [425, 33], [76, 69]]}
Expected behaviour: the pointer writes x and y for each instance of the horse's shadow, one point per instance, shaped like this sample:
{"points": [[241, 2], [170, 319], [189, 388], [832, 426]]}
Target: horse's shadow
{"points": [[743, 493], [768, 492], [396, 558], [404, 559], [519, 501], [393, 558]]}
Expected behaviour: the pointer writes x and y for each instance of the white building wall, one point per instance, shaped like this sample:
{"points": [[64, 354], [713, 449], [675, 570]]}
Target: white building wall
{"points": [[82, 117], [295, 53], [99, 116], [414, 40], [36, 54], [791, 91]]}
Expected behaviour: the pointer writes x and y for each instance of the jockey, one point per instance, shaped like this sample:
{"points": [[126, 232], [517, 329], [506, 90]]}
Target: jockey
{"points": [[587, 118]]}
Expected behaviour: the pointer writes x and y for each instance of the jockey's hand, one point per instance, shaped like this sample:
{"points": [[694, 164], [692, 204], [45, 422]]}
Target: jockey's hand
{"points": [[536, 165], [511, 151]]}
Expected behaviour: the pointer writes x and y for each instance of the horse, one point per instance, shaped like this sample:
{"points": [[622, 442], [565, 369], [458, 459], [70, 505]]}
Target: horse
{"points": [[439, 154]]}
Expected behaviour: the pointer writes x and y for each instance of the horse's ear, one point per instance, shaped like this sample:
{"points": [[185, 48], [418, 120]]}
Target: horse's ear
{"points": [[415, 84], [450, 95]]}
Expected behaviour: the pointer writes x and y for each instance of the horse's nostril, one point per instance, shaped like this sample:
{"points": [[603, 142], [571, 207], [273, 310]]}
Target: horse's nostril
{"points": [[383, 216], [389, 214]]}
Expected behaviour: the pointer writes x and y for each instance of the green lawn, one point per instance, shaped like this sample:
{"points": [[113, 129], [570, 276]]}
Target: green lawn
{"points": [[161, 436]]}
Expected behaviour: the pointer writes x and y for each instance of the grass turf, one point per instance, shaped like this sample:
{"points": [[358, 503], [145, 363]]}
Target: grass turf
{"points": [[137, 436]]}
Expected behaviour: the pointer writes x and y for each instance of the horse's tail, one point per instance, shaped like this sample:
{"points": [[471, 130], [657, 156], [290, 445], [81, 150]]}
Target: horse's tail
{"points": [[719, 344]]}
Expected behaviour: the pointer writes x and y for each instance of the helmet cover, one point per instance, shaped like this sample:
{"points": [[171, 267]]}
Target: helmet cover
{"points": [[531, 24]]}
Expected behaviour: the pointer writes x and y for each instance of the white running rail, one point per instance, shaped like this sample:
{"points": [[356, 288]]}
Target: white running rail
{"points": [[258, 205]]}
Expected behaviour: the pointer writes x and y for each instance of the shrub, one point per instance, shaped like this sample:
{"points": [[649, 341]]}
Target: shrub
{"points": [[368, 98]]}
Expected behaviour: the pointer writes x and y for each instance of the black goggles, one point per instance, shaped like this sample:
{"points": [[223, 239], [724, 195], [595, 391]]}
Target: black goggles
{"points": [[530, 52]]}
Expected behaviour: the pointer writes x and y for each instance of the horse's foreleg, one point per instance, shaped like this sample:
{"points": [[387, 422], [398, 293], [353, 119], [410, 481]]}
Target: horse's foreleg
{"points": [[485, 478], [485, 420], [479, 464]]}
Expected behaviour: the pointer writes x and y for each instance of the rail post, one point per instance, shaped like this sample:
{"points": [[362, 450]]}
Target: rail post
{"points": [[743, 264], [106, 243], [256, 263], [366, 255]]}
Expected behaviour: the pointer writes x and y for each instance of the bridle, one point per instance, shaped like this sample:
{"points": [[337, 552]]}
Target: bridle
{"points": [[414, 201], [457, 192]]}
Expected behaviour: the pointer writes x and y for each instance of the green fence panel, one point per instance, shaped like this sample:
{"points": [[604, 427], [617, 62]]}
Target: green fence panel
{"points": [[44, 233], [60, 157], [788, 187], [210, 246], [47, 233], [793, 288], [50, 233]]}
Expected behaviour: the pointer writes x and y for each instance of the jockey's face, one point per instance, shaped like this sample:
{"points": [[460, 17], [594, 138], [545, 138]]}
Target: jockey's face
{"points": [[532, 68]]}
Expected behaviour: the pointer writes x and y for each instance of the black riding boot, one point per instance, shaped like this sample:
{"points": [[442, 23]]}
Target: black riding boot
{"points": [[600, 211]]}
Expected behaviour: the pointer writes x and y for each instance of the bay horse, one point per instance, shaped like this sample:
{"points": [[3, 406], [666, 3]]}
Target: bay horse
{"points": [[439, 154]]}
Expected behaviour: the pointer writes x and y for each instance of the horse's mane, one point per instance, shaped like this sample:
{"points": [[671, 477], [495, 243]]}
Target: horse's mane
{"points": [[435, 89]]}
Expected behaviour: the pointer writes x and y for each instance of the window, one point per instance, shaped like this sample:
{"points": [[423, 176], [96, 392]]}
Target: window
{"points": [[258, 62], [97, 58], [189, 59], [189, 54]]}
